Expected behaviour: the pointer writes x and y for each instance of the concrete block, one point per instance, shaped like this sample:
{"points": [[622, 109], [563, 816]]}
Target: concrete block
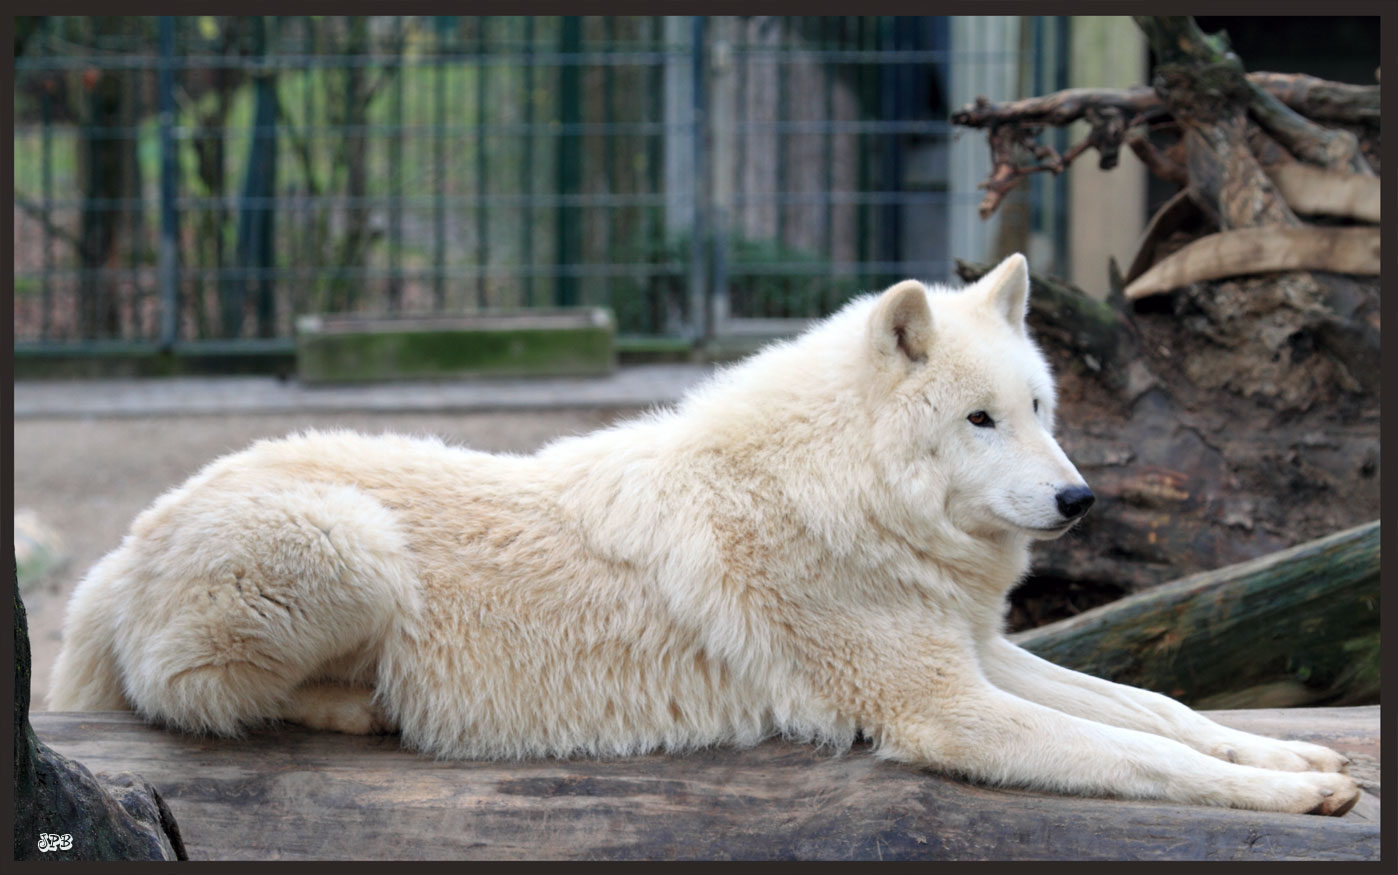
{"points": [[565, 342]]}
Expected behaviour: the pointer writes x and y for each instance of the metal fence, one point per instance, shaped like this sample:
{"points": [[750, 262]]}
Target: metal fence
{"points": [[195, 178]]}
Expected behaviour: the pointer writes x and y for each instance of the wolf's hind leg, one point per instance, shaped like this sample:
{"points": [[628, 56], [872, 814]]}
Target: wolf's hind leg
{"points": [[337, 708], [249, 596]]}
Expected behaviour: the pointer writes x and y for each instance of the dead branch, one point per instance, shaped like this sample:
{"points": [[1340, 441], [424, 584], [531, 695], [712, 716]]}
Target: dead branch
{"points": [[1321, 100], [1317, 99], [1057, 109], [1160, 163], [37, 212], [1241, 631], [1331, 148], [1262, 250]]}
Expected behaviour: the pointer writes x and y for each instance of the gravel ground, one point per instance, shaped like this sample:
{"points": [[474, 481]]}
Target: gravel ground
{"points": [[89, 477]]}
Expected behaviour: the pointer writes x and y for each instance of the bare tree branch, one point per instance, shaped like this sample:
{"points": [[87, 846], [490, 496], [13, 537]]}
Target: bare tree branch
{"points": [[37, 212], [1281, 104]]}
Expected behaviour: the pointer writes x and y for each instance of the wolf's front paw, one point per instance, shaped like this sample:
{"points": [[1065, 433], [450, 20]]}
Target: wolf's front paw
{"points": [[1271, 753], [1326, 794]]}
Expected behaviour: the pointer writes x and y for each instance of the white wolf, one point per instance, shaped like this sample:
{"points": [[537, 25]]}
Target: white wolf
{"points": [[815, 543]]}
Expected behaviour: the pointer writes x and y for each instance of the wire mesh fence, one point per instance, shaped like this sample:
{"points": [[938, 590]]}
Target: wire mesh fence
{"points": [[196, 177]]}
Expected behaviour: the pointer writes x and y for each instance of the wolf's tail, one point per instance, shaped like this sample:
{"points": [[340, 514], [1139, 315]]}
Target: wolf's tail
{"points": [[86, 676]]}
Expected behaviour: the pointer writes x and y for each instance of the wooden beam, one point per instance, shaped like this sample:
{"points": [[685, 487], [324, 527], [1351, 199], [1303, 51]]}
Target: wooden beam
{"points": [[296, 794]]}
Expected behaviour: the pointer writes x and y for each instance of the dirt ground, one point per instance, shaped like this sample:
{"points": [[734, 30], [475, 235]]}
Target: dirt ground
{"points": [[88, 478]]}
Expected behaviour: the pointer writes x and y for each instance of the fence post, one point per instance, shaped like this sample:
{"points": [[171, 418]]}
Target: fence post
{"points": [[720, 98], [698, 299], [46, 174], [567, 218], [169, 219]]}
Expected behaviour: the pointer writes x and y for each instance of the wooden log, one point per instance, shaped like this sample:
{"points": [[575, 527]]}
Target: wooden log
{"points": [[1301, 626], [296, 794], [1353, 250]]}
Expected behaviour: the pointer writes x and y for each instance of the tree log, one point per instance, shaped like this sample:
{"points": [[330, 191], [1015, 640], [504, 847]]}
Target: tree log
{"points": [[63, 812], [296, 794], [1262, 250], [1297, 627]]}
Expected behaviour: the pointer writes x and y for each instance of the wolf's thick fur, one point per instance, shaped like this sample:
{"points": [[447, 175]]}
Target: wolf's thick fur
{"points": [[816, 542]]}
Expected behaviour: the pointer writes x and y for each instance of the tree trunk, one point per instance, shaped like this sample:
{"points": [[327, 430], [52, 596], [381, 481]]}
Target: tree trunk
{"points": [[62, 812], [104, 160], [256, 242]]}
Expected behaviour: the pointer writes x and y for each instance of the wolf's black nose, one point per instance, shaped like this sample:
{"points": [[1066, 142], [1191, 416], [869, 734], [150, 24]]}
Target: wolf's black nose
{"points": [[1074, 502]]}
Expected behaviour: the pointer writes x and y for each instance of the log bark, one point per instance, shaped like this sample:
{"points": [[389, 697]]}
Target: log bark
{"points": [[64, 812], [1298, 627], [295, 794]]}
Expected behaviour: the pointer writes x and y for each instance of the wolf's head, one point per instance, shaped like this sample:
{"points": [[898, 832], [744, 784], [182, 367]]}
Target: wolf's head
{"points": [[963, 406]]}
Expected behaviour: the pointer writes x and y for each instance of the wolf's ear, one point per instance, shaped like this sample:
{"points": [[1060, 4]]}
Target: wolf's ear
{"points": [[902, 323], [1007, 289]]}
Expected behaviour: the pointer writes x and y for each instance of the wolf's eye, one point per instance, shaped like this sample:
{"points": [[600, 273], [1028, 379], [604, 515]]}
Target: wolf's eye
{"points": [[1036, 405], [982, 419]]}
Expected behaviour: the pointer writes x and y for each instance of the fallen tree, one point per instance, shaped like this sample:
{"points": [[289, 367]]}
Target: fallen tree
{"points": [[1222, 401]]}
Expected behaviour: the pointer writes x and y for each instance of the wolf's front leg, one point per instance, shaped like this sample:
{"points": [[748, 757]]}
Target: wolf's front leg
{"points": [[1017, 671], [988, 734]]}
